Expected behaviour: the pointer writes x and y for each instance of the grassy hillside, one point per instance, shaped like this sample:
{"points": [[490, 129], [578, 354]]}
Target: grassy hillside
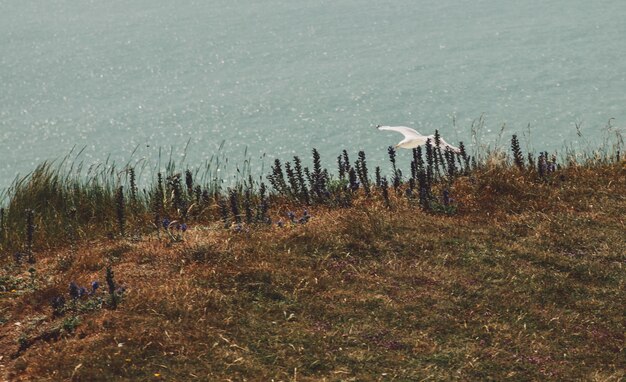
{"points": [[500, 270]]}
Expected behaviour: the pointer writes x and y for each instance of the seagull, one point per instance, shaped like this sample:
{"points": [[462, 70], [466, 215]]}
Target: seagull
{"points": [[413, 139]]}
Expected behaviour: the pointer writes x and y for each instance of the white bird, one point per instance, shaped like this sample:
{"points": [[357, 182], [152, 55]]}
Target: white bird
{"points": [[412, 138]]}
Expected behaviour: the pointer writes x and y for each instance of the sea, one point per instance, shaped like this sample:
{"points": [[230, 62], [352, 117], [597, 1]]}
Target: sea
{"points": [[142, 82]]}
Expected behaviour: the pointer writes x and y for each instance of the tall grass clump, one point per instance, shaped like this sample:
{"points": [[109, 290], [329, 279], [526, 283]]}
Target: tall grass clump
{"points": [[384, 185], [111, 287], [277, 178], [120, 210], [464, 158], [132, 186], [263, 206], [71, 204], [179, 201], [518, 157], [1, 226], [30, 233], [361, 170], [301, 184], [100, 200], [318, 179], [234, 205], [157, 202], [53, 193], [395, 171]]}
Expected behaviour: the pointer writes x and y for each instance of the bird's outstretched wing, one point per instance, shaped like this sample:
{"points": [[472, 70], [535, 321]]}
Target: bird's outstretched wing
{"points": [[406, 131]]}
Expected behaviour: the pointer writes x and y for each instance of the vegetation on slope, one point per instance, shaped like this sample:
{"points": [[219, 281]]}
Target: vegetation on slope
{"points": [[473, 270]]}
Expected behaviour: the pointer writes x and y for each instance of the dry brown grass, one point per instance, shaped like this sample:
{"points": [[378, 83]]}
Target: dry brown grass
{"points": [[525, 282]]}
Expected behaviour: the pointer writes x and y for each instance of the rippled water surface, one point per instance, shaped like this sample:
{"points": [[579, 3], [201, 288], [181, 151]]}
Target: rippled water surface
{"points": [[281, 76]]}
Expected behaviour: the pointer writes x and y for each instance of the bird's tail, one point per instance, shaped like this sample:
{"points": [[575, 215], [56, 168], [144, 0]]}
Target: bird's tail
{"points": [[454, 149]]}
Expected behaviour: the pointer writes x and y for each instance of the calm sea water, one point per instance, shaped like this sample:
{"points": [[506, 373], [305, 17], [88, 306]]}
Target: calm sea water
{"points": [[279, 77]]}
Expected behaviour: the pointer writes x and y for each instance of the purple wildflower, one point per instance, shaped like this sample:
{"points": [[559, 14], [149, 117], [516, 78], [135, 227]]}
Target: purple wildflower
{"points": [[291, 216], [82, 292], [446, 197], [57, 303], [305, 217], [74, 291], [18, 256]]}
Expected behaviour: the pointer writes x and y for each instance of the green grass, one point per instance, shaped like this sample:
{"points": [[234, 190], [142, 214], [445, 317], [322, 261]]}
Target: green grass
{"points": [[523, 280]]}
